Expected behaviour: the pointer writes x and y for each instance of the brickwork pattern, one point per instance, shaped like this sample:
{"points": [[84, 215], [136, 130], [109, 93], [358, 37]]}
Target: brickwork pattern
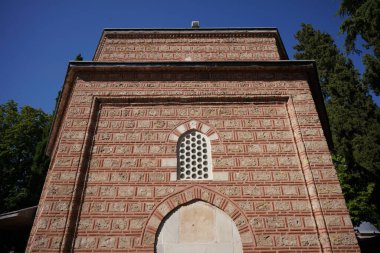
{"points": [[131, 47], [115, 134]]}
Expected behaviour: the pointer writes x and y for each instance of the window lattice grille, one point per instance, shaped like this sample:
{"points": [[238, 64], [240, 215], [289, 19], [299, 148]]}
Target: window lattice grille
{"points": [[194, 156]]}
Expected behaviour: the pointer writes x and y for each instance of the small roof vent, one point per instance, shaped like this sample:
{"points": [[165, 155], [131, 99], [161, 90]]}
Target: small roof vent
{"points": [[195, 24]]}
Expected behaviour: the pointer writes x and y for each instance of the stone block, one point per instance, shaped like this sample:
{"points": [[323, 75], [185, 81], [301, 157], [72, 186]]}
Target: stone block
{"points": [[98, 177], [232, 123], [263, 206], [156, 177], [260, 135], [272, 190], [286, 240], [57, 223], [140, 149], [328, 188], [281, 205], [280, 176], [102, 224], [309, 240], [229, 190], [235, 148], [295, 176], [294, 222], [217, 148], [61, 206], [92, 190], [85, 242], [125, 242], [136, 176], [163, 191], [224, 162], [56, 242], [120, 224], [290, 190], [282, 135], [331, 204], [117, 207], [246, 205], [288, 161], [137, 223], [340, 239], [247, 161], [272, 147], [168, 162], [252, 123], [300, 205], [107, 191], [145, 192], [126, 191], [244, 136], [107, 242], [85, 223], [261, 175], [134, 207], [220, 176], [257, 222], [285, 147], [267, 161], [241, 176], [254, 148], [119, 177], [63, 162], [264, 240], [149, 162], [118, 137], [227, 136]]}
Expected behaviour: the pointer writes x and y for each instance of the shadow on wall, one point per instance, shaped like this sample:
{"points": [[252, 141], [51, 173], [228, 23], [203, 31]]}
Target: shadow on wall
{"points": [[15, 229]]}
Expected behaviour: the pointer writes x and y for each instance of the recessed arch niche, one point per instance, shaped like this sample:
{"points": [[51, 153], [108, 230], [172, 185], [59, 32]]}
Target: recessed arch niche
{"points": [[198, 227]]}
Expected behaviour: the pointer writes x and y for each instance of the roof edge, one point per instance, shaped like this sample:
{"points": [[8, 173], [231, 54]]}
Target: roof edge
{"points": [[193, 29], [193, 63]]}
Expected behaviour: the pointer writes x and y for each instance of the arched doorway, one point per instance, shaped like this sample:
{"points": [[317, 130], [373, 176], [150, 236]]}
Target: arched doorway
{"points": [[198, 227]]}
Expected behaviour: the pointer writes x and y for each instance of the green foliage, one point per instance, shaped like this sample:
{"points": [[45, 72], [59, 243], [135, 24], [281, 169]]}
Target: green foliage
{"points": [[363, 19], [22, 161], [354, 122], [358, 191], [312, 41]]}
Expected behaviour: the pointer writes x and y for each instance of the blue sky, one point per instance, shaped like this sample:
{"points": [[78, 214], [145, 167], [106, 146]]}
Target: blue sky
{"points": [[39, 38]]}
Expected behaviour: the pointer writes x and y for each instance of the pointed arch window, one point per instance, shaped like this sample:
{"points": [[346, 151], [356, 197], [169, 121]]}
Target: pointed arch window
{"points": [[194, 157]]}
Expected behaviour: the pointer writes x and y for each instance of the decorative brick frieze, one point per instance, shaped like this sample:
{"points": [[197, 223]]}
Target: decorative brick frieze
{"points": [[247, 45]]}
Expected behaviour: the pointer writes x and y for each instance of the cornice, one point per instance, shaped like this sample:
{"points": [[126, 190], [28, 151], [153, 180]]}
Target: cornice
{"points": [[198, 34], [191, 33], [90, 69]]}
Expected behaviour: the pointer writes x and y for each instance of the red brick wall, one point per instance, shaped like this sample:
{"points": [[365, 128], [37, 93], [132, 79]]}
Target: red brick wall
{"points": [[188, 46], [109, 185]]}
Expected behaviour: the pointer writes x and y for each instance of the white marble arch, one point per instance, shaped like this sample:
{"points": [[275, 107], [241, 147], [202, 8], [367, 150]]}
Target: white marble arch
{"points": [[198, 227]]}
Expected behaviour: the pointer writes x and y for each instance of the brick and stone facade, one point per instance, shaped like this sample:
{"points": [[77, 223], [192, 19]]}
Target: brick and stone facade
{"points": [[113, 178]]}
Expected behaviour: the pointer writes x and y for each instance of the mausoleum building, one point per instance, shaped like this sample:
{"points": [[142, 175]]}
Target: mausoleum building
{"points": [[191, 140]]}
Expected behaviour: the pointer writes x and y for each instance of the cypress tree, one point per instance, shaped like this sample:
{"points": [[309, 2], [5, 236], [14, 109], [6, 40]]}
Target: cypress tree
{"points": [[362, 18], [354, 122]]}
